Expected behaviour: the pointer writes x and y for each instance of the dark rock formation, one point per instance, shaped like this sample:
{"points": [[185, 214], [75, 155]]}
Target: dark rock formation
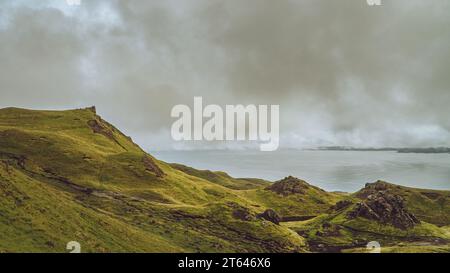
{"points": [[289, 185], [297, 218], [92, 109], [342, 205], [385, 208], [243, 214], [99, 128], [20, 160], [270, 215], [151, 166]]}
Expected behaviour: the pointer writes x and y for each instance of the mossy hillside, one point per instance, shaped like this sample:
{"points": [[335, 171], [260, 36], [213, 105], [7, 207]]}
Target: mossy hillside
{"points": [[93, 160], [76, 153], [37, 217], [255, 192], [90, 184], [404, 248], [223, 178], [113, 222], [311, 202], [71, 176]]}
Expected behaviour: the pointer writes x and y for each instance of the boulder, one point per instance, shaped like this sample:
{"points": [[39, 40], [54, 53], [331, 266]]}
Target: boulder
{"points": [[270, 215]]}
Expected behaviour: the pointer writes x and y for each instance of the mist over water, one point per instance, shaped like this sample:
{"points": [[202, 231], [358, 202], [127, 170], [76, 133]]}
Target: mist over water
{"points": [[331, 170]]}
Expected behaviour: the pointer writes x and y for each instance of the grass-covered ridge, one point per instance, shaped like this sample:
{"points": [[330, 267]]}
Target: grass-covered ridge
{"points": [[72, 176]]}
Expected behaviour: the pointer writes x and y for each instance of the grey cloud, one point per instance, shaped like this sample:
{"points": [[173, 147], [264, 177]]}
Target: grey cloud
{"points": [[344, 73], [39, 59]]}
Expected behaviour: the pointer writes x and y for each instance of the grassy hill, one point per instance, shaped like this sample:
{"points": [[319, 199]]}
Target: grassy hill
{"points": [[72, 176], [222, 178]]}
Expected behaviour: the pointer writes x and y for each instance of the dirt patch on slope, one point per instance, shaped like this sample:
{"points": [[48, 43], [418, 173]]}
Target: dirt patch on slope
{"points": [[151, 166]]}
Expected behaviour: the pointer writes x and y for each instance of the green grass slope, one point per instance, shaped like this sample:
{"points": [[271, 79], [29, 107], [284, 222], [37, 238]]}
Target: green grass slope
{"points": [[71, 176], [223, 179], [292, 197]]}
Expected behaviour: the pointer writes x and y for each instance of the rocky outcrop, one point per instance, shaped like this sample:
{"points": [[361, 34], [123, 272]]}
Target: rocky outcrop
{"points": [[270, 215], [289, 185], [93, 109], [385, 208], [341, 205], [297, 218], [99, 128], [243, 214], [151, 166]]}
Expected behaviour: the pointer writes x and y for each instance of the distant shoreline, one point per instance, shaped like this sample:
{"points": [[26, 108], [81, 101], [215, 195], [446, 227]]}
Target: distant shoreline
{"points": [[429, 150]]}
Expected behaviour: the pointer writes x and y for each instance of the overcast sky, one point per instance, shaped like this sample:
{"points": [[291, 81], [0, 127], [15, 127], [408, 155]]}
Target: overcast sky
{"points": [[343, 73]]}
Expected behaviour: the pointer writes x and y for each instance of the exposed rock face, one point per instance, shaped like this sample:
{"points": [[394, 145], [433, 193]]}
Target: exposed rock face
{"points": [[385, 208], [243, 214], [92, 109], [270, 215], [342, 205], [432, 195], [151, 166], [99, 128], [289, 185]]}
